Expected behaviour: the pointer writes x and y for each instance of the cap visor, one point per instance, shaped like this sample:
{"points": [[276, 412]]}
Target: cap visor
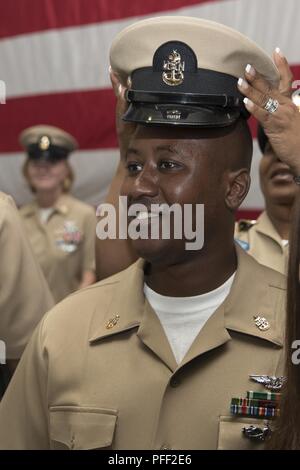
{"points": [[180, 115]]}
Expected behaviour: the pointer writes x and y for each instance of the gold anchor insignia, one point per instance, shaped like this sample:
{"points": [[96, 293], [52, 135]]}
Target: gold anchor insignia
{"points": [[174, 69], [261, 323], [44, 142], [112, 322]]}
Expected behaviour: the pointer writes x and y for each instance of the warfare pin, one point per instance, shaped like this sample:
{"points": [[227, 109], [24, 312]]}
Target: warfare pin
{"points": [[269, 382]]}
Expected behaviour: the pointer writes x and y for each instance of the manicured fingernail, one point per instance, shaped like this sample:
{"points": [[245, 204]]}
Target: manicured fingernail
{"points": [[120, 89], [243, 84], [250, 70], [278, 51], [248, 103], [109, 68]]}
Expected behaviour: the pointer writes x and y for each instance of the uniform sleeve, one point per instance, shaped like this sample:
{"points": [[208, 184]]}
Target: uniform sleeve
{"points": [[23, 409], [89, 241], [24, 294]]}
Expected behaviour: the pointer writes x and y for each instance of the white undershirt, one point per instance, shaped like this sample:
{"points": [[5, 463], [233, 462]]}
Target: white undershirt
{"points": [[284, 243], [44, 214], [182, 318]]}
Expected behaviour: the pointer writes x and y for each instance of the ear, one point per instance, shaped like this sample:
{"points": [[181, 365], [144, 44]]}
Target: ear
{"points": [[238, 183]]}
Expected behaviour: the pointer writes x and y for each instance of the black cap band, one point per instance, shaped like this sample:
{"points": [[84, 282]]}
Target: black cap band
{"points": [[196, 99], [52, 154]]}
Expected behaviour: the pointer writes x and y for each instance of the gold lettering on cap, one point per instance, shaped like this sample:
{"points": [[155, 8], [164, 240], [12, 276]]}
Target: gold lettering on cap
{"points": [[173, 69]]}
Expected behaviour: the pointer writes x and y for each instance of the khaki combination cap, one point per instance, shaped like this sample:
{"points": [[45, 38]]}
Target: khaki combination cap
{"points": [[47, 143], [184, 71]]}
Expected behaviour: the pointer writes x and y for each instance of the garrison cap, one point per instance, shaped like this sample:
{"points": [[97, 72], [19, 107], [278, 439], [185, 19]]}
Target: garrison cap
{"points": [[183, 71], [47, 143]]}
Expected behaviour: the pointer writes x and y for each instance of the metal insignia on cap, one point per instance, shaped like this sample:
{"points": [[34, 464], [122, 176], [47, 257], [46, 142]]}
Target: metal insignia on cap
{"points": [[44, 142], [270, 382], [174, 69], [261, 323]]}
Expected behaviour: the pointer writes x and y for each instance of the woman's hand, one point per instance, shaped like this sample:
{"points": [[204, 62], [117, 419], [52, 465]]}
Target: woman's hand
{"points": [[282, 127]]}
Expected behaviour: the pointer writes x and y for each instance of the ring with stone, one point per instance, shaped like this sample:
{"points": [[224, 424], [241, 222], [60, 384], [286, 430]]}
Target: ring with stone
{"points": [[271, 105]]}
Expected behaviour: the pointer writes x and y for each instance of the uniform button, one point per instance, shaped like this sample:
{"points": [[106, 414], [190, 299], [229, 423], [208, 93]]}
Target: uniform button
{"points": [[174, 382]]}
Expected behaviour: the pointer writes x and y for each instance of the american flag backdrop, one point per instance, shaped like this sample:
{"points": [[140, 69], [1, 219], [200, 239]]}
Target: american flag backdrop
{"points": [[54, 64]]}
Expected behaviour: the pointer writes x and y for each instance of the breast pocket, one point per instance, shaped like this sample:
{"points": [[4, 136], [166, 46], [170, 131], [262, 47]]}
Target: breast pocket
{"points": [[80, 428], [232, 437]]}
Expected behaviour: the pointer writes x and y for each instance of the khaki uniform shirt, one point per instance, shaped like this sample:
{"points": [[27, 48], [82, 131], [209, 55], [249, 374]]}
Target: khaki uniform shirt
{"points": [[112, 380], [261, 240], [65, 244], [24, 294]]}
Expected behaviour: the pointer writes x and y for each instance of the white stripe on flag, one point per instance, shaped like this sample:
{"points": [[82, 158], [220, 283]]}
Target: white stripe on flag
{"points": [[76, 58], [93, 173]]}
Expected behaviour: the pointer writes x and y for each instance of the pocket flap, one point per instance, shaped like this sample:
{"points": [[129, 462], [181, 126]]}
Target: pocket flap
{"points": [[82, 428]]}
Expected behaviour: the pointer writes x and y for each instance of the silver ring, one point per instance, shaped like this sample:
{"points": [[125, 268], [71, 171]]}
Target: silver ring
{"points": [[271, 105]]}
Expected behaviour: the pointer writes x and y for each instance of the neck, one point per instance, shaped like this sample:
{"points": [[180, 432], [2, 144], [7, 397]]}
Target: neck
{"points": [[200, 274], [46, 199], [280, 216]]}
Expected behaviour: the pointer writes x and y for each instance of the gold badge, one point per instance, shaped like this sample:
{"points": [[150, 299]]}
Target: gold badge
{"points": [[112, 322], [261, 323], [173, 69], [44, 142]]}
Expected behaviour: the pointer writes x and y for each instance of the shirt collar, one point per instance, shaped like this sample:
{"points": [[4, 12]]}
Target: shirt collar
{"points": [[252, 294], [265, 226], [62, 206]]}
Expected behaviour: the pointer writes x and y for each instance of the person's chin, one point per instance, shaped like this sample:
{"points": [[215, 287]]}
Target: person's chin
{"points": [[152, 250], [283, 193], [45, 186]]}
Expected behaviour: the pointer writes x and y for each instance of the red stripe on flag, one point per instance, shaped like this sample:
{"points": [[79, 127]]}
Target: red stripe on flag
{"points": [[89, 116], [248, 214], [20, 16]]}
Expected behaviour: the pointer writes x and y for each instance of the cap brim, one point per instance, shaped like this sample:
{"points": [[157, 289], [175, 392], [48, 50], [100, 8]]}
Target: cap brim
{"points": [[180, 115]]}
